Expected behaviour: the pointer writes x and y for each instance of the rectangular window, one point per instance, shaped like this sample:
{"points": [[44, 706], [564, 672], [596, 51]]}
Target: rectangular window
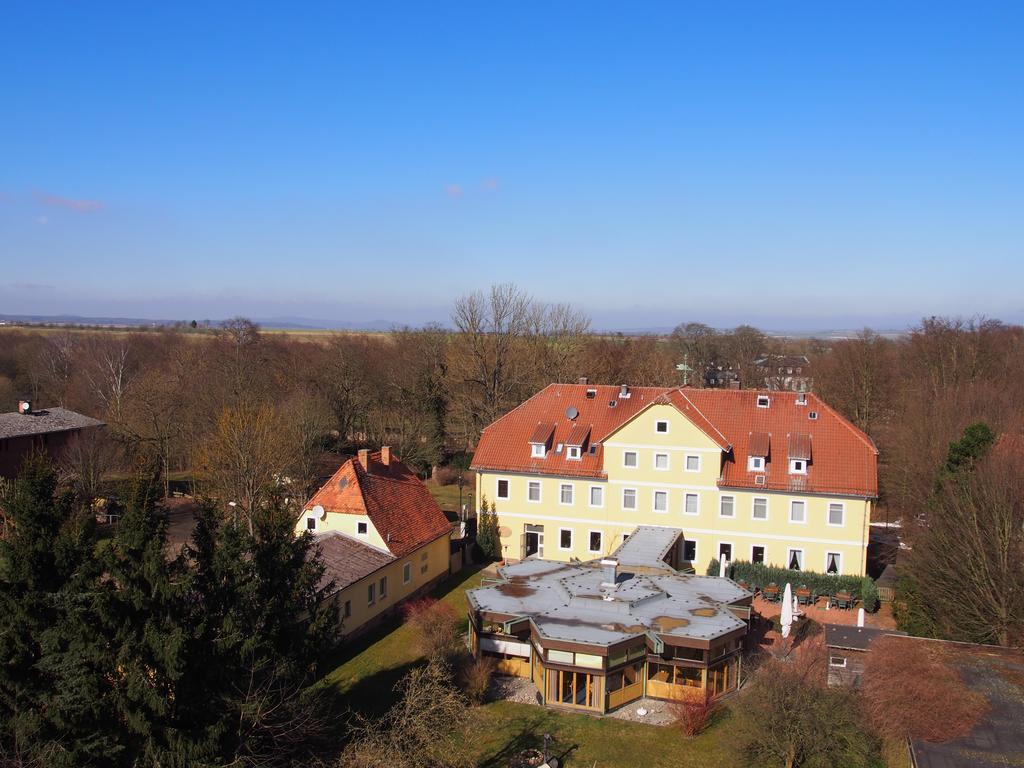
{"points": [[565, 538], [689, 550], [837, 661], [383, 587], [727, 506], [760, 509], [503, 489], [691, 505], [596, 496], [595, 541], [370, 594], [629, 459], [755, 463], [629, 498], [661, 461], [661, 427], [693, 463], [348, 609], [725, 551], [310, 523], [833, 563], [795, 561], [538, 450], [757, 554], [797, 512], [407, 573], [361, 528], [533, 491], [565, 493], [573, 452], [835, 514], [661, 501], [763, 401], [798, 467]]}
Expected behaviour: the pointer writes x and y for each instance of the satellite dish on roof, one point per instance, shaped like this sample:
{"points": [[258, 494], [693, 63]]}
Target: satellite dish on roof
{"points": [[318, 511], [571, 413]]}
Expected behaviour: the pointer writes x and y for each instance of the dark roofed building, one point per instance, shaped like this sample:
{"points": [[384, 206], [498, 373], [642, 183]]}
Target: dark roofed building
{"points": [[28, 428], [847, 647]]}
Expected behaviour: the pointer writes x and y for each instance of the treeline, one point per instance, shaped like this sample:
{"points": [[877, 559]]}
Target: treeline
{"points": [[114, 653]]}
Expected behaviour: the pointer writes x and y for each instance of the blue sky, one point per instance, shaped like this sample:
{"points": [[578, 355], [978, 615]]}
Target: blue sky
{"points": [[795, 165]]}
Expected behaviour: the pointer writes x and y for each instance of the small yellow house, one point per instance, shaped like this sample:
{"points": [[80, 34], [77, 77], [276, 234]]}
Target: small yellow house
{"points": [[771, 477], [382, 536]]}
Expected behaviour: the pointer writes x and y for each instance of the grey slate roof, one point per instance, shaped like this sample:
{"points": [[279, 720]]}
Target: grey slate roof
{"points": [[43, 422], [571, 601], [347, 560], [854, 638]]}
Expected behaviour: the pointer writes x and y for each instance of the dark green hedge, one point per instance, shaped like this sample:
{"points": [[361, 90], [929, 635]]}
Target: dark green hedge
{"points": [[757, 575]]}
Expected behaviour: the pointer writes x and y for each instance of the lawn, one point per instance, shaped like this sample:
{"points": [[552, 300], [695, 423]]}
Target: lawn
{"points": [[366, 677], [447, 496]]}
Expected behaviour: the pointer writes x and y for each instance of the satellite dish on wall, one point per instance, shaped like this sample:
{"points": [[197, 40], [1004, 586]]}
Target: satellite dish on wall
{"points": [[571, 413], [318, 511]]}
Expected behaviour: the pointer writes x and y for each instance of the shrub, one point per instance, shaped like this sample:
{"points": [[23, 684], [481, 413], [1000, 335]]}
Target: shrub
{"points": [[475, 677], [759, 575], [445, 475], [488, 538], [869, 594], [713, 567], [437, 628], [692, 717]]}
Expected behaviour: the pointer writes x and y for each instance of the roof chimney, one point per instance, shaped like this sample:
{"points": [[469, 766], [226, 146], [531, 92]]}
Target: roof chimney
{"points": [[25, 407], [364, 459], [609, 573], [583, 380], [385, 455]]}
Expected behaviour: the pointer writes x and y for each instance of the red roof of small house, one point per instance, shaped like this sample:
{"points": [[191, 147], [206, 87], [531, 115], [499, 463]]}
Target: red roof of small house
{"points": [[397, 502], [844, 459]]}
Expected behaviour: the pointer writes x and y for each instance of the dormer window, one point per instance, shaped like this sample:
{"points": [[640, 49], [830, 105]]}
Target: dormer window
{"points": [[763, 401], [797, 467], [573, 452], [755, 464], [801, 399], [538, 450]]}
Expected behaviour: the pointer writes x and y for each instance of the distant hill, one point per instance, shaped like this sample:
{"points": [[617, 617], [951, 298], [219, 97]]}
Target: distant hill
{"points": [[280, 323]]}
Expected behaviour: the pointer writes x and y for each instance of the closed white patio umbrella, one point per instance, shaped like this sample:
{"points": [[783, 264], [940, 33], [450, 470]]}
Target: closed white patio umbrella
{"points": [[786, 619]]}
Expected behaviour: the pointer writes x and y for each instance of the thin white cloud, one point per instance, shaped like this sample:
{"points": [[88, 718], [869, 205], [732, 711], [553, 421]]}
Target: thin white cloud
{"points": [[75, 205]]}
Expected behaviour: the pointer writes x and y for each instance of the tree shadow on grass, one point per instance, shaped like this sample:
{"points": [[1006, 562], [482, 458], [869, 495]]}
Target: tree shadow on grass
{"points": [[528, 733]]}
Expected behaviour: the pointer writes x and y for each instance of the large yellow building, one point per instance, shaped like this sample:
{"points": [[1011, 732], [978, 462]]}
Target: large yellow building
{"points": [[382, 536], [772, 477]]}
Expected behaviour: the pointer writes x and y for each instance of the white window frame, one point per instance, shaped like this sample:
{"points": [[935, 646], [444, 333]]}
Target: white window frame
{"points": [[753, 506], [590, 497], [366, 525], [540, 495], [407, 573], [654, 501], [686, 462], [696, 548], [574, 453], [658, 423], [721, 504], [789, 558], [696, 496], [497, 488], [538, 450], [801, 470], [797, 501], [371, 593], [560, 532], [831, 661], [661, 456], [382, 587], [839, 562], [755, 463], [732, 550], [842, 514], [600, 547], [636, 459], [764, 401], [572, 494], [636, 500], [763, 547], [310, 519]]}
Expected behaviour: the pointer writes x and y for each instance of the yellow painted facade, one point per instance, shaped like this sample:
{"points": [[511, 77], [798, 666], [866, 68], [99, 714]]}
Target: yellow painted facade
{"points": [[343, 523], [670, 478], [422, 566]]}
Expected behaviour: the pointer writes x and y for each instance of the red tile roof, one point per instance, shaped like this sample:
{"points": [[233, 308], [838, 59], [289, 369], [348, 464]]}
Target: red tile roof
{"points": [[760, 444], [396, 501], [542, 434], [579, 434], [844, 459], [799, 446]]}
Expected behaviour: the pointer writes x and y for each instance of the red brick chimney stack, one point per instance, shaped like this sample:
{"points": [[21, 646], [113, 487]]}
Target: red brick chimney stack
{"points": [[364, 459], [385, 455]]}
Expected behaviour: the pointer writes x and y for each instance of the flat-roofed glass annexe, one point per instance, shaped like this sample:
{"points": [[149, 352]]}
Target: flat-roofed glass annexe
{"points": [[595, 636]]}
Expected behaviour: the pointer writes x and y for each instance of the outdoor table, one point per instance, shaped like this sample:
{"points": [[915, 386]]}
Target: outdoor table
{"points": [[803, 596], [771, 594], [843, 600]]}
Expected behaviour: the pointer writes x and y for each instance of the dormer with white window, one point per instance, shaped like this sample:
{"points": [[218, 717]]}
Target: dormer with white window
{"points": [[763, 401], [576, 443], [540, 440], [799, 453], [758, 450]]}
